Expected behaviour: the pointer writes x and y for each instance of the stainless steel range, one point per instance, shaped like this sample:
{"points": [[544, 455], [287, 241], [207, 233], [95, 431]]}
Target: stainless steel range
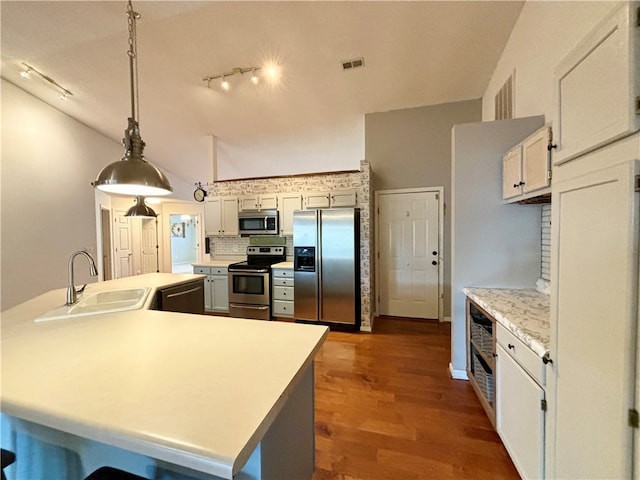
{"points": [[250, 282]]}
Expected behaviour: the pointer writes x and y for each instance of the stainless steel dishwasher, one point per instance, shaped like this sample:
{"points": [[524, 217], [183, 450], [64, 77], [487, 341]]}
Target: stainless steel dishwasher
{"points": [[183, 298]]}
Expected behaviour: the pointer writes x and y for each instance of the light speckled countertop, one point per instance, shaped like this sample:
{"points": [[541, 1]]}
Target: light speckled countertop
{"points": [[524, 312], [283, 265]]}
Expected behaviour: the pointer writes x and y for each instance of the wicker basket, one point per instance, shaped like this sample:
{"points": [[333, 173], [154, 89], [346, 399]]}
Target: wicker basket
{"points": [[484, 379]]}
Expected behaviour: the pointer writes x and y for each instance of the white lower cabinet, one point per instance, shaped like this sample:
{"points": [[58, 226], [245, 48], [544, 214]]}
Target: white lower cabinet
{"points": [[520, 412], [216, 288], [282, 289]]}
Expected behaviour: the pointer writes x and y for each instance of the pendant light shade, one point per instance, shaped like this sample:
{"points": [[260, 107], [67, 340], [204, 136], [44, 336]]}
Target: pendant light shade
{"points": [[133, 175], [140, 209]]}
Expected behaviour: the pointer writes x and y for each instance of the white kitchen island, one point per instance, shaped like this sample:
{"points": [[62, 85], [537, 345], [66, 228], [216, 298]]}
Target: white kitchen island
{"points": [[212, 397]]}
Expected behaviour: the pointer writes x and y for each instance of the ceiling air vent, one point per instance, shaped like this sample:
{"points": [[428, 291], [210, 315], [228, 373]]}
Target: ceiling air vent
{"points": [[351, 64]]}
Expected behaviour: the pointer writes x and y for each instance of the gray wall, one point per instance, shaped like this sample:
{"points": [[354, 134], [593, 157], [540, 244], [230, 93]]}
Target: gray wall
{"points": [[494, 245], [48, 204], [411, 148]]}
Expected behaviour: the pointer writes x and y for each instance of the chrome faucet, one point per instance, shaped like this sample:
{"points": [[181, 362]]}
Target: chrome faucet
{"points": [[72, 293]]}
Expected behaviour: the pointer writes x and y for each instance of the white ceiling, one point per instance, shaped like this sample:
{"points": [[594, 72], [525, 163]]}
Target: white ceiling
{"points": [[416, 53]]}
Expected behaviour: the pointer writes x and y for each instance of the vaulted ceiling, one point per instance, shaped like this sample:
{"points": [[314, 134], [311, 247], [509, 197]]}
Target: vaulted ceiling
{"points": [[309, 119]]}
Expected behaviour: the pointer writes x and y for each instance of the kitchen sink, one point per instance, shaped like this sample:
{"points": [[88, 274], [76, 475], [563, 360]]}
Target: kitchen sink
{"points": [[100, 302]]}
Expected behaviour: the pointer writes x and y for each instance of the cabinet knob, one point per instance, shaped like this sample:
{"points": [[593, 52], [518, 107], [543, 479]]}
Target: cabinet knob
{"points": [[546, 358], [521, 183], [515, 185], [434, 263], [511, 347]]}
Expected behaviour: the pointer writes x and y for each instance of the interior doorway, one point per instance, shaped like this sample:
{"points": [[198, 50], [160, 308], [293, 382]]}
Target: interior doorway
{"points": [[184, 238], [409, 243]]}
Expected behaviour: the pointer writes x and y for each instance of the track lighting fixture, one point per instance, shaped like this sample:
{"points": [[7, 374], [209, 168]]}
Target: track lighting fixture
{"points": [[29, 70], [224, 77]]}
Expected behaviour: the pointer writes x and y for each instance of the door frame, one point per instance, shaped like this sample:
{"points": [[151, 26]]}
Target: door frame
{"points": [[102, 201], [440, 196], [164, 228]]}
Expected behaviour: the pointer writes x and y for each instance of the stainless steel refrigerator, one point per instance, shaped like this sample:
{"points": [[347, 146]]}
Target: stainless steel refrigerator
{"points": [[326, 263]]}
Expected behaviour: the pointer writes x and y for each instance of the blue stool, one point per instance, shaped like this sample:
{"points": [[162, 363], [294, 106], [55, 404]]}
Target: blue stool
{"points": [[110, 473], [7, 459]]}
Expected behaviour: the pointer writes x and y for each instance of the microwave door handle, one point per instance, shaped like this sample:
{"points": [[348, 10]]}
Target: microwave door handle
{"points": [[265, 222]]}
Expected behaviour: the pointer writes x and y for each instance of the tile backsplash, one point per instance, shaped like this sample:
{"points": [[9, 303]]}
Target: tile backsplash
{"points": [[545, 243]]}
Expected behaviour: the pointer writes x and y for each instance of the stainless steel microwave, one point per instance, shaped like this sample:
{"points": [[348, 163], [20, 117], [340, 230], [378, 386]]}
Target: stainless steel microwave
{"points": [[264, 222]]}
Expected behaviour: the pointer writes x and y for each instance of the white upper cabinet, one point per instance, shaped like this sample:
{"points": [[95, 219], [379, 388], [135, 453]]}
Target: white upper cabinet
{"points": [[597, 86], [221, 216], [332, 199], [258, 202], [512, 173], [289, 203], [526, 168]]}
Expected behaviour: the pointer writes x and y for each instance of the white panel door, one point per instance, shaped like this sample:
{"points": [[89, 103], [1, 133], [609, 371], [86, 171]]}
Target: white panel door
{"points": [[593, 324], [149, 244], [408, 254], [123, 247]]}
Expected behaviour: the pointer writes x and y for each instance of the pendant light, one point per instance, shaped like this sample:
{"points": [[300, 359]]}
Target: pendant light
{"points": [[133, 175], [140, 209]]}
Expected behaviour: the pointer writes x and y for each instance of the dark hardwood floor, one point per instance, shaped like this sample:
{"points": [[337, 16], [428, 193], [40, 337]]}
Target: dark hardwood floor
{"points": [[386, 408]]}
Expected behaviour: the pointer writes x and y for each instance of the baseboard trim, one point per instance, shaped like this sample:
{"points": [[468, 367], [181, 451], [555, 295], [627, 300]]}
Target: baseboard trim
{"points": [[366, 328], [457, 374], [447, 319]]}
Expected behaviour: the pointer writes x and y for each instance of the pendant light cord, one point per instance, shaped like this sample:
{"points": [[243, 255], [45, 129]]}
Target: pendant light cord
{"points": [[133, 62]]}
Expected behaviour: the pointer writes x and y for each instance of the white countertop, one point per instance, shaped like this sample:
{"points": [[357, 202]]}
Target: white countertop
{"points": [[216, 263], [194, 390], [282, 265], [524, 312]]}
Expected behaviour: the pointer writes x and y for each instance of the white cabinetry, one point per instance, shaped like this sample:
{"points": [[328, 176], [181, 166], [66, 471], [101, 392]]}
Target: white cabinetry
{"points": [[526, 168], [216, 288], [520, 404], [287, 204], [258, 202], [333, 199], [221, 216], [593, 324], [597, 86], [282, 288]]}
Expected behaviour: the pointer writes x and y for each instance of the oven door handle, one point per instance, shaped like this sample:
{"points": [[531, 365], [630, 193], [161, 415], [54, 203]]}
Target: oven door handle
{"points": [[250, 307], [247, 270]]}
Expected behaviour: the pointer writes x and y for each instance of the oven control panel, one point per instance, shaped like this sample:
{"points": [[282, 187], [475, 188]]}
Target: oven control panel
{"points": [[265, 250]]}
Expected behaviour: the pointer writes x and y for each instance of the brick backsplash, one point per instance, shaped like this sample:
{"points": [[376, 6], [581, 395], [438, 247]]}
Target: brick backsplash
{"points": [[237, 246]]}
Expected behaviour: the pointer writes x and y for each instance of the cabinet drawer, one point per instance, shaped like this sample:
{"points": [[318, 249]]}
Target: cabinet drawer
{"points": [[282, 308], [283, 282], [283, 293], [526, 358], [218, 271], [283, 272], [205, 270]]}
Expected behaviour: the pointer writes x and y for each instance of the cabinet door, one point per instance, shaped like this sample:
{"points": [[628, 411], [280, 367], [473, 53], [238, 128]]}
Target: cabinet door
{"points": [[248, 204], [208, 297], [593, 322], [512, 173], [229, 216], [596, 86], [289, 203], [212, 216], [535, 161], [344, 198], [220, 293], [316, 200], [268, 202], [519, 415]]}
